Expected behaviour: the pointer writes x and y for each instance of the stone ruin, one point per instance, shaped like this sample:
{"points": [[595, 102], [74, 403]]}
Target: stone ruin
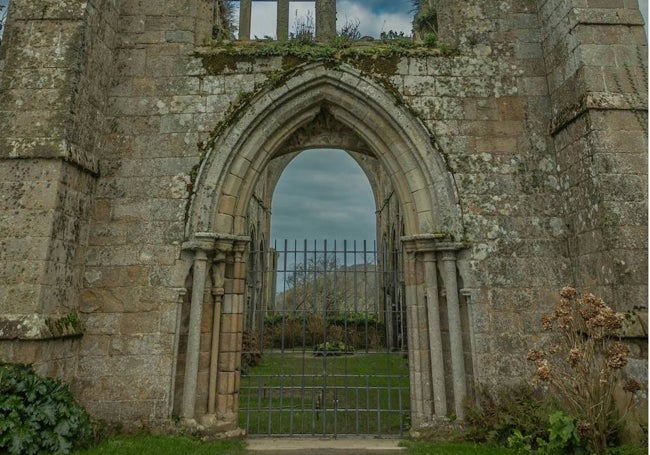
{"points": [[138, 155]]}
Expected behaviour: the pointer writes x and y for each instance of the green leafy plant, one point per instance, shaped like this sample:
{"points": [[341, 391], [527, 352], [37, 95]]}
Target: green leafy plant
{"points": [[39, 414], [332, 348], [430, 40], [562, 438], [65, 325], [495, 416]]}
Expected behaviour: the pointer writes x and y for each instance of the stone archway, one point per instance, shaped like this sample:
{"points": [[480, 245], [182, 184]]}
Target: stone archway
{"points": [[217, 230]]}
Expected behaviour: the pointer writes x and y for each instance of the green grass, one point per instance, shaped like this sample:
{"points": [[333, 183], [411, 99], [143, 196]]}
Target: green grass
{"points": [[452, 448], [175, 445], [298, 393], [163, 445]]}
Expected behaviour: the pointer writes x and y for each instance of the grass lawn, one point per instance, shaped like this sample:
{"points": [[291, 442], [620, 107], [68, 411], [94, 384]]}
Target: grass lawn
{"points": [[175, 445], [163, 445], [452, 448], [297, 393], [180, 445]]}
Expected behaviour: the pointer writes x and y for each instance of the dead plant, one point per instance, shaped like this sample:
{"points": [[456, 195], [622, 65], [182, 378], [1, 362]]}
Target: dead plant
{"points": [[583, 363]]}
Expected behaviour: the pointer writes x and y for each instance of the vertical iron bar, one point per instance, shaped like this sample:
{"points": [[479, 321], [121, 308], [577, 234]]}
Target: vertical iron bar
{"points": [[248, 403], [269, 428], [378, 411], [368, 404], [357, 405], [313, 411], [401, 413], [365, 292], [260, 388], [336, 409], [354, 275], [324, 328], [292, 392], [283, 314], [281, 401]]}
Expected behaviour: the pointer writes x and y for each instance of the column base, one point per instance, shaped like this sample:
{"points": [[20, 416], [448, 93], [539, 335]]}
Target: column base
{"points": [[209, 428]]}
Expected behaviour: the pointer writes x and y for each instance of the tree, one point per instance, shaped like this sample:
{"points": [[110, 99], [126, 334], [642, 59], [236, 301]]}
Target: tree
{"points": [[322, 284], [426, 17], [224, 20]]}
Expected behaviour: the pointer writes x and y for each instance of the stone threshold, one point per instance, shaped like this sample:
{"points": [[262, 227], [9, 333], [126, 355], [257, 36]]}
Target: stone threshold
{"points": [[328, 446]]}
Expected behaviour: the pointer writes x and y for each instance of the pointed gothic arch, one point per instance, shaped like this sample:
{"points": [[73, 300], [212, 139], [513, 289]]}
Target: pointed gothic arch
{"points": [[217, 229], [398, 139]]}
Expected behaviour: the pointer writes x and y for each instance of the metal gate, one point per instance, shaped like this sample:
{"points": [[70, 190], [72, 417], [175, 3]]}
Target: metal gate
{"points": [[324, 350]]}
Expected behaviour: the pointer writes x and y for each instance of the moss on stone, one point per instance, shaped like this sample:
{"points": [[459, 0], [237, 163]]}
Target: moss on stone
{"points": [[377, 57]]}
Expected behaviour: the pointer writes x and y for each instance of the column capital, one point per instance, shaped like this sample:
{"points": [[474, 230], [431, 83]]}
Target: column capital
{"points": [[424, 243], [215, 241]]}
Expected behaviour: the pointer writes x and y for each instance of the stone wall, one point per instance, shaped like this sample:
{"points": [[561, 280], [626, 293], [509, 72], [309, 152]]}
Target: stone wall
{"points": [[111, 107], [53, 118], [596, 61]]}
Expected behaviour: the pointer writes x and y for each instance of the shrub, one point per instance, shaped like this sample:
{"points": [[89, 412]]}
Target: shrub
{"points": [[350, 30], [430, 40], [496, 416], [562, 438], [359, 330], [584, 362], [251, 355], [332, 348], [39, 414]]}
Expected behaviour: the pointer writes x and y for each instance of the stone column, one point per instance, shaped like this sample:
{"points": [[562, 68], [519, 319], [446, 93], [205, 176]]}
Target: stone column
{"points": [[435, 335], [228, 376], [283, 20], [177, 338], [245, 11], [455, 329], [218, 279], [194, 333], [325, 20], [418, 413]]}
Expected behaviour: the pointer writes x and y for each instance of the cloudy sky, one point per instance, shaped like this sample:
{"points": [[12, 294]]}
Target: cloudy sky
{"points": [[323, 194], [374, 16]]}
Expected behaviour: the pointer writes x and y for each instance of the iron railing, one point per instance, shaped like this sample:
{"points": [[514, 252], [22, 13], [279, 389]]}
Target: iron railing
{"points": [[324, 351]]}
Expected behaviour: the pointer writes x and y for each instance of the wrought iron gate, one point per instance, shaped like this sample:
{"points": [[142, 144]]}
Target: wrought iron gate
{"points": [[324, 349]]}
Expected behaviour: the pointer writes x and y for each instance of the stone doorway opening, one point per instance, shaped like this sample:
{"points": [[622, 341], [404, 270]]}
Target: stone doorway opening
{"points": [[324, 340], [418, 215]]}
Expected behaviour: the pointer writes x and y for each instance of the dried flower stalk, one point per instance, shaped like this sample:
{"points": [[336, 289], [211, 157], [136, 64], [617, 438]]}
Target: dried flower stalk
{"points": [[584, 362]]}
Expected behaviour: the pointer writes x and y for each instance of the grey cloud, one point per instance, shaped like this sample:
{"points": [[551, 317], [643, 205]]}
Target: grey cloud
{"points": [[323, 194]]}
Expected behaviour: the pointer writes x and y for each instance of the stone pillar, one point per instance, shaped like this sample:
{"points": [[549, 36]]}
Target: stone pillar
{"points": [[435, 335], [325, 20], [228, 376], [455, 330], [194, 334], [283, 20], [245, 11], [218, 278], [418, 413], [177, 339], [427, 359]]}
